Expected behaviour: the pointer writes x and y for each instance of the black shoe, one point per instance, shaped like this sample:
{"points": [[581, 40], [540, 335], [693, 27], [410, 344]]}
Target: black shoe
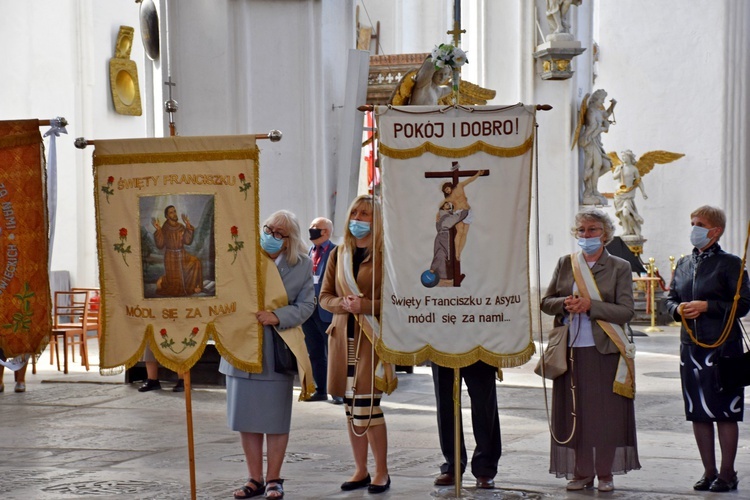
{"points": [[318, 397], [337, 400], [179, 386], [355, 485], [704, 483], [150, 385], [379, 488], [485, 482], [721, 486]]}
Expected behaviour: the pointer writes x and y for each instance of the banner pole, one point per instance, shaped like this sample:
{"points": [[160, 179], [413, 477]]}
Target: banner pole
{"points": [[457, 467], [191, 444]]}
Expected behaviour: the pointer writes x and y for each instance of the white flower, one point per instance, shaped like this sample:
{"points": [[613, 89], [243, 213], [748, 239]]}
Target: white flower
{"points": [[459, 57], [446, 54]]}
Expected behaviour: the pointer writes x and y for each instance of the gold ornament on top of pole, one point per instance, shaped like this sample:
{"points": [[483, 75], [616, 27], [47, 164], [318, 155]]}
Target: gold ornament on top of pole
{"points": [[652, 295]]}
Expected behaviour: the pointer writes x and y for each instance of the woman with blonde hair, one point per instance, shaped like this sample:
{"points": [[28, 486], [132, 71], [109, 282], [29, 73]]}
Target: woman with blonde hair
{"points": [[351, 291]]}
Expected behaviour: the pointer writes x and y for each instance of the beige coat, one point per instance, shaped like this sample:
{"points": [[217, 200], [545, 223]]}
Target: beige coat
{"points": [[331, 294]]}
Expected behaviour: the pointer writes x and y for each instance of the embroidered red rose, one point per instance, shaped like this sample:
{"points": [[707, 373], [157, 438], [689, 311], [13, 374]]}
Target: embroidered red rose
{"points": [[110, 179], [163, 332], [123, 232], [234, 230], [242, 177], [195, 331]]}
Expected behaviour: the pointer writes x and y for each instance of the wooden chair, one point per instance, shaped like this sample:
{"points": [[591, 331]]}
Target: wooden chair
{"points": [[70, 323], [94, 306]]}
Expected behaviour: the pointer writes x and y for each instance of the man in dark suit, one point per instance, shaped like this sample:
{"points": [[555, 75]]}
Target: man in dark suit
{"points": [[315, 327]]}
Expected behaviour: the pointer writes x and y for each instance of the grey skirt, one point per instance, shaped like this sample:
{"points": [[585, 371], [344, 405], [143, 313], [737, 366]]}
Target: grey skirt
{"points": [[604, 441], [259, 406]]}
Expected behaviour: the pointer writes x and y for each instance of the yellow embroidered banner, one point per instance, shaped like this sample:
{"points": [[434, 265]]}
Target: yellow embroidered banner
{"points": [[177, 223], [456, 189], [25, 320]]}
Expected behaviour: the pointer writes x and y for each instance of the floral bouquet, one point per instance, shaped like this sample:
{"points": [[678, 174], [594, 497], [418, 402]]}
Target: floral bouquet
{"points": [[446, 54]]}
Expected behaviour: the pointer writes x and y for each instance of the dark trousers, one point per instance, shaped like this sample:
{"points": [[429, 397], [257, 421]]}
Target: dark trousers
{"points": [[316, 340], [480, 382]]}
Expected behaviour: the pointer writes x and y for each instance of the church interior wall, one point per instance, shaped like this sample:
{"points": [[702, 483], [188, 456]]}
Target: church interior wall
{"points": [[678, 69], [59, 66], [272, 68], [670, 85]]}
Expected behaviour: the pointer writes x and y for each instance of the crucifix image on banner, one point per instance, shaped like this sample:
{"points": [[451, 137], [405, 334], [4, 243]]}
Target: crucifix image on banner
{"points": [[452, 226], [456, 192]]}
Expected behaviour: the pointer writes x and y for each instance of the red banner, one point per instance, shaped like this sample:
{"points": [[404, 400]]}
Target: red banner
{"points": [[24, 281]]}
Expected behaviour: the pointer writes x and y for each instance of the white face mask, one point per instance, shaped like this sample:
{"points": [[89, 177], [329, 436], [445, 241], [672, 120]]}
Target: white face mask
{"points": [[699, 237]]}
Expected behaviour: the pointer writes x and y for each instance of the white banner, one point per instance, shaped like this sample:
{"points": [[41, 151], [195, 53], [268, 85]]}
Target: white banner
{"points": [[456, 188]]}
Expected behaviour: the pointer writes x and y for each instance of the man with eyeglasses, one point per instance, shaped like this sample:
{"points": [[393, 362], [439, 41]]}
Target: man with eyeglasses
{"points": [[316, 325]]}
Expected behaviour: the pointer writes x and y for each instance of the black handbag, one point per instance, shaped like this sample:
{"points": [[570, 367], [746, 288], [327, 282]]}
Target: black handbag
{"points": [[283, 357], [734, 372]]}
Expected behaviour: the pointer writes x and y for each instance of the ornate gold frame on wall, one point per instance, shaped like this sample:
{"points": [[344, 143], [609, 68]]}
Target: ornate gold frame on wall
{"points": [[123, 76]]}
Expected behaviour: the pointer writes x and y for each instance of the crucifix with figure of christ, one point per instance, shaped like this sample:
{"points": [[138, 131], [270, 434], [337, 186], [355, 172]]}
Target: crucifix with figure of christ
{"points": [[453, 191]]}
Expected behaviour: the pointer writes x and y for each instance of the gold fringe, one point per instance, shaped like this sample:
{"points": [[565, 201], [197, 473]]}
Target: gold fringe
{"points": [[479, 353], [186, 156], [260, 281], [429, 147], [108, 372], [382, 385], [624, 390], [18, 140]]}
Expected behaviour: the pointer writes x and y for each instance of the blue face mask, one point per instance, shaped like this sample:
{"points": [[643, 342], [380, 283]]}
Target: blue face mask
{"points": [[270, 244], [590, 245], [699, 237], [359, 229]]}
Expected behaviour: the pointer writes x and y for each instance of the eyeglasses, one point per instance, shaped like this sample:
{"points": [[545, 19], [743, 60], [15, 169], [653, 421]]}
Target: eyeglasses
{"points": [[589, 230], [276, 235]]}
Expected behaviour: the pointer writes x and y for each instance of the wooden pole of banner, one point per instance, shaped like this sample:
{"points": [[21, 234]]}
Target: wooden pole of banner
{"points": [[191, 442], [457, 431]]}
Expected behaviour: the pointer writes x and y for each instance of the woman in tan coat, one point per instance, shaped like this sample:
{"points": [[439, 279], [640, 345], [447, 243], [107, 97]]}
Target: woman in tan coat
{"points": [[351, 291]]}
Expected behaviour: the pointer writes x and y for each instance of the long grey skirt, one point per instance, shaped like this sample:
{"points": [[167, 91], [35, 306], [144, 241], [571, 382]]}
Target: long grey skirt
{"points": [[604, 441], [261, 406]]}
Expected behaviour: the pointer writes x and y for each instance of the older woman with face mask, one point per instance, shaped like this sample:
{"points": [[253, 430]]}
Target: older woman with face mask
{"points": [[259, 405], [592, 291], [701, 295]]}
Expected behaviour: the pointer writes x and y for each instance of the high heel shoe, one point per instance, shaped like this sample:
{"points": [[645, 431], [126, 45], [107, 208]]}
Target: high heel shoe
{"points": [[379, 488], [721, 486], [704, 483], [580, 484]]}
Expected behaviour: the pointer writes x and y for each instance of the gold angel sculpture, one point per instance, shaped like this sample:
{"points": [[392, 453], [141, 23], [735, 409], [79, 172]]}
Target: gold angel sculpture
{"points": [[628, 173]]}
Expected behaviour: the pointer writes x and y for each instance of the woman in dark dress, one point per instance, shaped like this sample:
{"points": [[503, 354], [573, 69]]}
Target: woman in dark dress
{"points": [[701, 296]]}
